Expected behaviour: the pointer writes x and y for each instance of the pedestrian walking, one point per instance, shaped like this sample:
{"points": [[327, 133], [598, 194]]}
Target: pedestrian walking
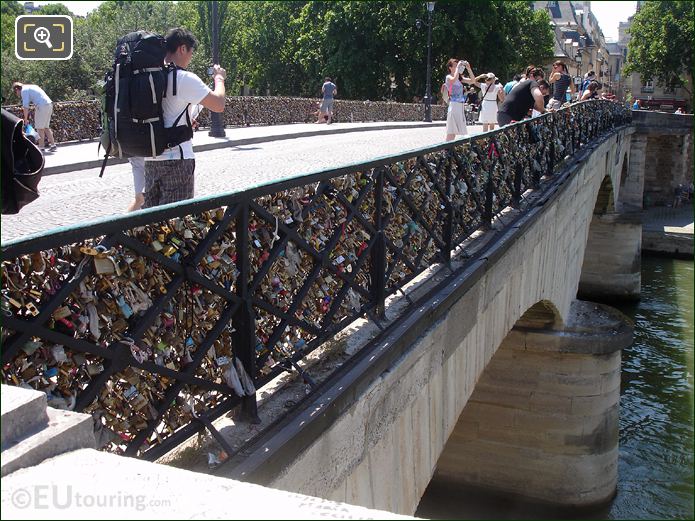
{"points": [[456, 116], [170, 176], [329, 91], [490, 92], [43, 110]]}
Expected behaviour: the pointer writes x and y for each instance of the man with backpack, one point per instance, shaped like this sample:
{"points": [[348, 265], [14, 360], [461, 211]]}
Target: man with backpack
{"points": [[169, 177]]}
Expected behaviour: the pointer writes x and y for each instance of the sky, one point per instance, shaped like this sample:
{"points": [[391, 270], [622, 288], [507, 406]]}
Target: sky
{"points": [[608, 14]]}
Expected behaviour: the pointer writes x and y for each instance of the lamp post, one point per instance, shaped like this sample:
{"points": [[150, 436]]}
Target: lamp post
{"points": [[216, 119], [578, 60], [428, 87]]}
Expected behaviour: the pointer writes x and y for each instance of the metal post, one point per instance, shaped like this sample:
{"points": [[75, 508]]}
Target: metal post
{"points": [[216, 120], [428, 88], [378, 255], [244, 337]]}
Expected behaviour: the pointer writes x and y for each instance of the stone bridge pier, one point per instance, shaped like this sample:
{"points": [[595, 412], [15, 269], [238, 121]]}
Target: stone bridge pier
{"points": [[656, 158], [542, 422]]}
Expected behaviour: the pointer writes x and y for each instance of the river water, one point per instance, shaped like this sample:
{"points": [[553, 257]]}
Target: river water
{"points": [[655, 466]]}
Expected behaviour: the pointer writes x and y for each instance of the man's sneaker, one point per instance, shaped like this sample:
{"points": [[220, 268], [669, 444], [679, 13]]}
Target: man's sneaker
{"points": [[52, 148]]}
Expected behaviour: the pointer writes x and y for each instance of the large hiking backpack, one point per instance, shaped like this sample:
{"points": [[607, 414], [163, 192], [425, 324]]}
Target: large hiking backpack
{"points": [[131, 96]]}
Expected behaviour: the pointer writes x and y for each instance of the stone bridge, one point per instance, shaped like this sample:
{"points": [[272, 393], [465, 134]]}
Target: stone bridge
{"points": [[507, 381], [485, 369]]}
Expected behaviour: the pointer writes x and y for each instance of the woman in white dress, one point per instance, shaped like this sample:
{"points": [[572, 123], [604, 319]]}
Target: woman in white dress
{"points": [[455, 117], [490, 92]]}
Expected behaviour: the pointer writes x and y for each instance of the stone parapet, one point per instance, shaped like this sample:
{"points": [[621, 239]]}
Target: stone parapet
{"points": [[663, 122], [80, 120]]}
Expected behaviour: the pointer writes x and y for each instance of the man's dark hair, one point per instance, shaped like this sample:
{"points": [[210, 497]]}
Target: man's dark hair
{"points": [[543, 83], [179, 36], [327, 79], [536, 73], [517, 77]]}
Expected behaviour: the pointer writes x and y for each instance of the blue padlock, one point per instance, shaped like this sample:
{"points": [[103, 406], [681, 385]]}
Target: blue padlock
{"points": [[125, 307]]}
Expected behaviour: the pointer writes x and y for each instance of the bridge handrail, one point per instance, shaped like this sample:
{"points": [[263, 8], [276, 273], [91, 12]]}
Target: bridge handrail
{"points": [[161, 321]]}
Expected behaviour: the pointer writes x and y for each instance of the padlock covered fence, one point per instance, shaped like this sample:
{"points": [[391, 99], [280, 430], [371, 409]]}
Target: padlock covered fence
{"points": [[80, 120], [159, 322]]}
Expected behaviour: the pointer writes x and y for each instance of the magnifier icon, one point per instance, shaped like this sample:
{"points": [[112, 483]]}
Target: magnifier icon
{"points": [[42, 35]]}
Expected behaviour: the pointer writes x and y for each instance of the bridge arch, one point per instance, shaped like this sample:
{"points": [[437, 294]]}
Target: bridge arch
{"points": [[605, 200], [612, 258], [542, 315]]}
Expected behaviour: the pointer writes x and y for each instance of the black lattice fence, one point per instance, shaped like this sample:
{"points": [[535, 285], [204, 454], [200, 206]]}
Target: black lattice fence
{"points": [[159, 322]]}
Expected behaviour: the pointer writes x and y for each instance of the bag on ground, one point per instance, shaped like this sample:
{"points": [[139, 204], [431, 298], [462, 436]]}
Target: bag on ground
{"points": [[22, 164]]}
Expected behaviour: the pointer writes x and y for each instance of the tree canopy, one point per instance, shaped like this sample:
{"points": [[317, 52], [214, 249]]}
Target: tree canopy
{"points": [[661, 44], [372, 50]]}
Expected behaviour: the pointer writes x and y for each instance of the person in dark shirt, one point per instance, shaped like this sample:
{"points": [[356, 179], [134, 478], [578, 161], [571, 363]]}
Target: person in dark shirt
{"points": [[560, 80], [472, 96], [525, 95]]}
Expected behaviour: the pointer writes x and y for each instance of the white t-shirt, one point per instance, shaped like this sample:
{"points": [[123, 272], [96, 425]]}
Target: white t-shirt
{"points": [[190, 89]]}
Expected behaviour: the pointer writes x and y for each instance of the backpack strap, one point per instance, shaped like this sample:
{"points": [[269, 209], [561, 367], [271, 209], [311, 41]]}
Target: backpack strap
{"points": [[188, 122], [106, 157]]}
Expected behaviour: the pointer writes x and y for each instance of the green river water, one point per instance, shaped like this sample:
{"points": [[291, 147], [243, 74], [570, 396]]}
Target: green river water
{"points": [[655, 466]]}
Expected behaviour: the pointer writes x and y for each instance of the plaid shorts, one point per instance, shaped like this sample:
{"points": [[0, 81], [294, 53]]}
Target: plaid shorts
{"points": [[168, 181]]}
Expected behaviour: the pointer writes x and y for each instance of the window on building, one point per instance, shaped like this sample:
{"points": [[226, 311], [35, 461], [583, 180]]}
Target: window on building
{"points": [[669, 90], [554, 8], [648, 86]]}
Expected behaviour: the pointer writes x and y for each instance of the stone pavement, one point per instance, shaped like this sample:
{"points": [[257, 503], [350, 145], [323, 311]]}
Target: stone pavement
{"points": [[81, 155]]}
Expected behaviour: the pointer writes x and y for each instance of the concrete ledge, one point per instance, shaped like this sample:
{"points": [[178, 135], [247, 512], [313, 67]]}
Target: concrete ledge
{"points": [[23, 412], [65, 431], [674, 244], [87, 484]]}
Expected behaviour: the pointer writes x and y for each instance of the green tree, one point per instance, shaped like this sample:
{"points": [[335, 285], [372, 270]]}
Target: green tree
{"points": [[661, 44], [52, 9], [9, 11]]}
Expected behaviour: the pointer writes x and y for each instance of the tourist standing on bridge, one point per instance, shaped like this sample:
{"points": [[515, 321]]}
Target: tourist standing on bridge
{"points": [[170, 176], [510, 84], [329, 91], [560, 80], [455, 116], [526, 95], [588, 78], [490, 92], [42, 111], [591, 91]]}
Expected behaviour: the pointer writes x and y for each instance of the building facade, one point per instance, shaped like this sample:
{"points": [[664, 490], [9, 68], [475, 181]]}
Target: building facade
{"points": [[581, 45]]}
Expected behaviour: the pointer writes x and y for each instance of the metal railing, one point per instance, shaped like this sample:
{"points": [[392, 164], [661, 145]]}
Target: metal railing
{"points": [[159, 322]]}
